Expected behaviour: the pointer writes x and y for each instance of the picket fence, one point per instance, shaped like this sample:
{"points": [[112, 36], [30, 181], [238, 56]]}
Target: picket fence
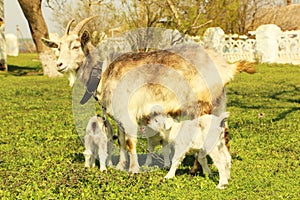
{"points": [[241, 47]]}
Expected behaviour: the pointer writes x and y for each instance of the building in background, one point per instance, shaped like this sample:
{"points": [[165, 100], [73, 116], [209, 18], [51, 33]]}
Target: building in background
{"points": [[283, 13]]}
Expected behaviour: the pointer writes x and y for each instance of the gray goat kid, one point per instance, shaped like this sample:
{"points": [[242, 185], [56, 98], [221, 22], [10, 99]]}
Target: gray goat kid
{"points": [[98, 142], [183, 80]]}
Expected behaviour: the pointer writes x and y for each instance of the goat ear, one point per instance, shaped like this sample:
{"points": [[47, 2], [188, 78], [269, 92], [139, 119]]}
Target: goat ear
{"points": [[223, 118], [49, 43], [85, 38], [169, 123]]}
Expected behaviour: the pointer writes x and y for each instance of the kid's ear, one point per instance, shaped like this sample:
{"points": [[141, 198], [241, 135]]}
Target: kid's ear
{"points": [[169, 123]]}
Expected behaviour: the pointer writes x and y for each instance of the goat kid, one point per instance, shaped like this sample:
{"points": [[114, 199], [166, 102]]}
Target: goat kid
{"points": [[154, 139], [203, 136], [98, 142]]}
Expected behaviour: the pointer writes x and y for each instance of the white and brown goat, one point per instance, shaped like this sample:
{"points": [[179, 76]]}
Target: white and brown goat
{"points": [[183, 80]]}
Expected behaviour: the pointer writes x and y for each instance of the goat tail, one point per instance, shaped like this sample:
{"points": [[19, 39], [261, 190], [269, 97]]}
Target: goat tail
{"points": [[245, 66]]}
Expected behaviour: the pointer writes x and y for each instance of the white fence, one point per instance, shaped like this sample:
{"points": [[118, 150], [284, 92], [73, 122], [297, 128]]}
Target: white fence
{"points": [[236, 48], [289, 46], [267, 44], [295, 1]]}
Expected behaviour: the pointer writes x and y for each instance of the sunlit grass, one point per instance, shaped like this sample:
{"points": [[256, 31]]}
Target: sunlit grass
{"points": [[41, 153]]}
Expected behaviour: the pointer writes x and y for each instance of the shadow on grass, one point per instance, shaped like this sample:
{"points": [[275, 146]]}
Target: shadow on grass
{"points": [[24, 70], [284, 114], [287, 96], [284, 96], [156, 163]]}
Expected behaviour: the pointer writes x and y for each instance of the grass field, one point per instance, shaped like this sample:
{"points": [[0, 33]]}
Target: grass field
{"points": [[41, 153]]}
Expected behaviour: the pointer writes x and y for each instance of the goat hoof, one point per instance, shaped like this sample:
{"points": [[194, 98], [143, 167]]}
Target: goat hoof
{"points": [[103, 169], [134, 171], [134, 168], [221, 187], [120, 166], [169, 176]]}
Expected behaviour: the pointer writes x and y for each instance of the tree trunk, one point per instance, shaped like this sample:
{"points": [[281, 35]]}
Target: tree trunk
{"points": [[38, 28], [3, 65]]}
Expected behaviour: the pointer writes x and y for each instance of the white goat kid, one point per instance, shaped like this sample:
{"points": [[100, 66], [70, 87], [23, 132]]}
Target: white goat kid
{"points": [[98, 142], [203, 136], [154, 139]]}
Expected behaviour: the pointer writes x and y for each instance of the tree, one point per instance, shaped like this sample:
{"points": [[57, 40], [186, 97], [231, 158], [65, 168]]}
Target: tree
{"points": [[107, 19], [223, 13], [3, 65], [172, 14], [38, 28], [191, 17], [146, 13]]}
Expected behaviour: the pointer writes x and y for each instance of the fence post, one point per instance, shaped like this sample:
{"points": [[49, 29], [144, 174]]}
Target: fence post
{"points": [[213, 37], [267, 42]]}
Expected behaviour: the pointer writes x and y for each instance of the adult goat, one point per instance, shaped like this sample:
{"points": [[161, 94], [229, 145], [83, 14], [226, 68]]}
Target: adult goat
{"points": [[183, 80]]}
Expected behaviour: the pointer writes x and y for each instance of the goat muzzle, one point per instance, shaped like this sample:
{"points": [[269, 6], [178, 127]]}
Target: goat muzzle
{"points": [[60, 67]]}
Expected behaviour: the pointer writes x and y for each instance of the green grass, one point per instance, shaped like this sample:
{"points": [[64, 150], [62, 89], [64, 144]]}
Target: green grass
{"points": [[41, 153], [24, 64]]}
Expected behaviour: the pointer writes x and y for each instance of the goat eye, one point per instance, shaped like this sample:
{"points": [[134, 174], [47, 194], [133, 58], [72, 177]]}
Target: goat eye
{"points": [[75, 47]]}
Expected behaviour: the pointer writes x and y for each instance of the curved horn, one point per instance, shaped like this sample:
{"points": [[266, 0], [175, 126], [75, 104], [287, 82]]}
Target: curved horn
{"points": [[69, 26], [81, 24]]}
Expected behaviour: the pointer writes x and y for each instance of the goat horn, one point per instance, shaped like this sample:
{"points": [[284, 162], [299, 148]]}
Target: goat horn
{"points": [[81, 24], [69, 26]]}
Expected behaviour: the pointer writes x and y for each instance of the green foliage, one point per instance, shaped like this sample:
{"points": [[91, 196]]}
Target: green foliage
{"points": [[191, 17], [107, 12], [41, 153], [222, 13]]}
